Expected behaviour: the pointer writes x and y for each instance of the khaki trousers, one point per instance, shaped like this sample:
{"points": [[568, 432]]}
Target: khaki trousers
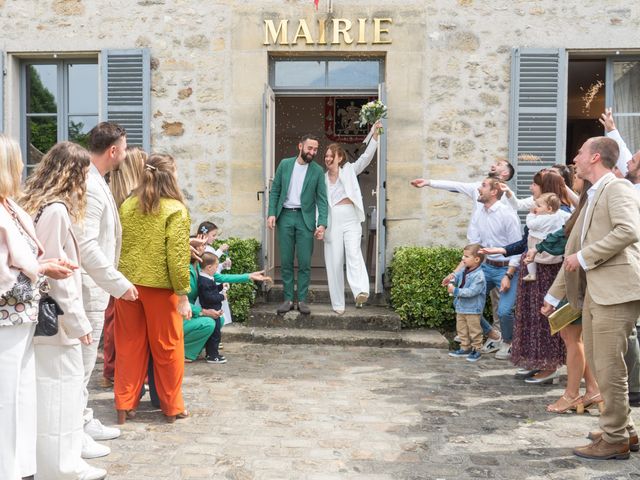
{"points": [[469, 330], [605, 330]]}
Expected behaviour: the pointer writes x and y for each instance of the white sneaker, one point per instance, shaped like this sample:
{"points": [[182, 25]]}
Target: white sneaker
{"points": [[96, 430], [505, 352], [93, 473], [491, 345], [92, 449], [457, 339]]}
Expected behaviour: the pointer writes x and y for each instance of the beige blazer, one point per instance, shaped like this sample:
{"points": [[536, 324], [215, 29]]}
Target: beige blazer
{"points": [[15, 254], [99, 238], [55, 231], [609, 245]]}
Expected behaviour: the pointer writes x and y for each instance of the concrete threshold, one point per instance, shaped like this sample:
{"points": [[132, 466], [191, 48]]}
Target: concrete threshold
{"points": [[426, 338]]}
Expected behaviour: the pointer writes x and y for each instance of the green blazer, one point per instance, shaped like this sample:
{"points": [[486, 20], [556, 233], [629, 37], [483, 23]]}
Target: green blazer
{"points": [[314, 193]]}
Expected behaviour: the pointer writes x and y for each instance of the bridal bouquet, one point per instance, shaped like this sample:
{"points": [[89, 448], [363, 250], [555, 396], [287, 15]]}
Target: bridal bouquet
{"points": [[370, 113]]}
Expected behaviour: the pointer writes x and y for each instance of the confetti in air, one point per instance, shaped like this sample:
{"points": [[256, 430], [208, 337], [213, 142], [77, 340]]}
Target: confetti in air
{"points": [[528, 157], [590, 94]]}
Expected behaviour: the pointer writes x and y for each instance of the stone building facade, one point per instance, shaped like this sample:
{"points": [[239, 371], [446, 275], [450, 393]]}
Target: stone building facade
{"points": [[447, 70]]}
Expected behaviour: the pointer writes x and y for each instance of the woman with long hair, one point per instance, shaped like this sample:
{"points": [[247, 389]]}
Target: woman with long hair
{"points": [[155, 257], [121, 182], [55, 196], [20, 277], [344, 232]]}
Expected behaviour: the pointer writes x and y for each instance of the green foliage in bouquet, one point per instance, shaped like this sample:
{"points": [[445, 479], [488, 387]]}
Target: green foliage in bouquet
{"points": [[371, 112], [244, 259], [416, 293]]}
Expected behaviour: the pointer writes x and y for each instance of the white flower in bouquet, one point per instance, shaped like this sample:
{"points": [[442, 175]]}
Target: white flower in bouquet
{"points": [[370, 113]]}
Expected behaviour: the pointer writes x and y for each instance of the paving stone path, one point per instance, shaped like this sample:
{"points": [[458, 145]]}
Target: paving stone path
{"points": [[323, 412]]}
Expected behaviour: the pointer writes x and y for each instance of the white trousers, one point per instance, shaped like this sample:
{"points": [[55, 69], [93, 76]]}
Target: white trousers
{"points": [[59, 375], [89, 355], [341, 241], [17, 402]]}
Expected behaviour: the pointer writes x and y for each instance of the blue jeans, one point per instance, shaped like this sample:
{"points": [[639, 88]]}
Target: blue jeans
{"points": [[506, 306]]}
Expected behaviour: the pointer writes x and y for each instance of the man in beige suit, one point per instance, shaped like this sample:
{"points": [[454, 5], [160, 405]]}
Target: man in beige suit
{"points": [[99, 238], [604, 245]]}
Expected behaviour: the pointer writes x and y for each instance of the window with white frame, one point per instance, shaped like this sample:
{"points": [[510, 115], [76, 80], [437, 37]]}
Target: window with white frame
{"points": [[60, 101]]}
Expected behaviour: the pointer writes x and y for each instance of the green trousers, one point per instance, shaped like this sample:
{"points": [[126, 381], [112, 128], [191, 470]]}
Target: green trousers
{"points": [[294, 238], [196, 333]]}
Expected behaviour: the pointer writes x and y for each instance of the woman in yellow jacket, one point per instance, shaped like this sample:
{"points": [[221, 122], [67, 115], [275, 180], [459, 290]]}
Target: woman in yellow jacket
{"points": [[155, 257]]}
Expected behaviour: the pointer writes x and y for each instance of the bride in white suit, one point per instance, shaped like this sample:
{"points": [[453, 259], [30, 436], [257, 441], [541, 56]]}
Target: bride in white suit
{"points": [[346, 214]]}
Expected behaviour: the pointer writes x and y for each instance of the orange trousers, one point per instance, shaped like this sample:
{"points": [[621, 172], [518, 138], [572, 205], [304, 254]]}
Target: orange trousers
{"points": [[151, 322]]}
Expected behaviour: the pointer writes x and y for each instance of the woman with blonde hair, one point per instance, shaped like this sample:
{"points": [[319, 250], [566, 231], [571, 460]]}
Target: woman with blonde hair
{"points": [[55, 195], [20, 278], [121, 182], [155, 257]]}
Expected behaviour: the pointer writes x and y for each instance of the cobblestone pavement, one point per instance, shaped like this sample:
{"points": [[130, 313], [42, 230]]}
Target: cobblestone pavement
{"points": [[314, 412]]}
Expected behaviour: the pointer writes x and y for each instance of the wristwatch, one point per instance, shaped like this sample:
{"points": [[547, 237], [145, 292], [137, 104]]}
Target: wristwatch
{"points": [[509, 275]]}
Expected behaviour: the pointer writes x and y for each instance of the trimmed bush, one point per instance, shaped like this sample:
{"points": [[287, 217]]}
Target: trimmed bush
{"points": [[244, 259], [416, 293]]}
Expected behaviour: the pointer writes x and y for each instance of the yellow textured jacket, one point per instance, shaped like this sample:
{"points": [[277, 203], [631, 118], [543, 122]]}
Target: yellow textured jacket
{"points": [[155, 248]]}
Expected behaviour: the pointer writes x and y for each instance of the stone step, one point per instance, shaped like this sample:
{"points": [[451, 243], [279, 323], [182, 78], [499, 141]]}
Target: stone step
{"points": [[237, 332], [322, 317], [317, 294]]}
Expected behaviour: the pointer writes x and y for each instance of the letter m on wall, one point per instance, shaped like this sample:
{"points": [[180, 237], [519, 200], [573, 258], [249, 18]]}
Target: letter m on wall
{"points": [[537, 112], [126, 92]]}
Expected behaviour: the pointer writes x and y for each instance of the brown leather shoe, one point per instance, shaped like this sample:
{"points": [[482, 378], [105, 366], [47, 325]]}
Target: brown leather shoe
{"points": [[284, 307], [634, 446], [602, 450]]}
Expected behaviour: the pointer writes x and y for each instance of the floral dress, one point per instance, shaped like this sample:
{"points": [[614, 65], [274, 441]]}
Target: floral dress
{"points": [[20, 304]]}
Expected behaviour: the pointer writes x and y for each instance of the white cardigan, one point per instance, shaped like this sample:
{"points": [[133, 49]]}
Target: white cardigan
{"points": [[348, 175]]}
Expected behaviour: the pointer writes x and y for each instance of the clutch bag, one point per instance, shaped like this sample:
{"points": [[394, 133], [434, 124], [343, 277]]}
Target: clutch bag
{"points": [[563, 317]]}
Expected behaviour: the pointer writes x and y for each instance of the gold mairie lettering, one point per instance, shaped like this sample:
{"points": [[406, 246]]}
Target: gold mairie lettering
{"points": [[378, 30], [337, 30], [303, 32], [281, 31], [361, 25], [322, 27]]}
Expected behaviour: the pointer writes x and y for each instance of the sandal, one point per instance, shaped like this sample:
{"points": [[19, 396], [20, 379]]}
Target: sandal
{"points": [[569, 404], [179, 416], [588, 402]]}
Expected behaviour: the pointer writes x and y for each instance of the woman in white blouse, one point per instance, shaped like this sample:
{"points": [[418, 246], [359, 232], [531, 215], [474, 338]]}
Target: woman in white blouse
{"points": [[346, 214], [55, 195]]}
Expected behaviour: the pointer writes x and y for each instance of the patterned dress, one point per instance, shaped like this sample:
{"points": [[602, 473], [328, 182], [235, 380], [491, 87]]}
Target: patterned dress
{"points": [[533, 345]]}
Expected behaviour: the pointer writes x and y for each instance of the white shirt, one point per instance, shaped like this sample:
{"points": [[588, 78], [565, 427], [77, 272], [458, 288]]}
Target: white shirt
{"points": [[542, 225], [337, 192], [295, 185], [496, 226]]}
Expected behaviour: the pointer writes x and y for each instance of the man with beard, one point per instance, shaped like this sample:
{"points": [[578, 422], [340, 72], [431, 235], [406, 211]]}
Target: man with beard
{"points": [[298, 189]]}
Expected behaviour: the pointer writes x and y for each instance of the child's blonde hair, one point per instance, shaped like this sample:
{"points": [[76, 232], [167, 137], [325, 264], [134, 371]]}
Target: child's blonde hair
{"points": [[551, 200], [208, 259], [474, 250]]}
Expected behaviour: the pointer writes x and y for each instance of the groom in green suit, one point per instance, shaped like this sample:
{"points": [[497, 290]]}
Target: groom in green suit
{"points": [[297, 189]]}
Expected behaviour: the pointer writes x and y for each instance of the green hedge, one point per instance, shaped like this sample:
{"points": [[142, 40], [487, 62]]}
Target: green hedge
{"points": [[416, 293], [244, 259]]}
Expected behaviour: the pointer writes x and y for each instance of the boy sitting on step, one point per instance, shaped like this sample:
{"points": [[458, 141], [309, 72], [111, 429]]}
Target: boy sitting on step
{"points": [[468, 289]]}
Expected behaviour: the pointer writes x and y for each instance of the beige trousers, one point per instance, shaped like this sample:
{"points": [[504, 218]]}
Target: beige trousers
{"points": [[469, 330], [605, 330]]}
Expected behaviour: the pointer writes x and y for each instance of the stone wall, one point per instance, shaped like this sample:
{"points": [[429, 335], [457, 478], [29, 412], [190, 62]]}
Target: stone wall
{"points": [[447, 75]]}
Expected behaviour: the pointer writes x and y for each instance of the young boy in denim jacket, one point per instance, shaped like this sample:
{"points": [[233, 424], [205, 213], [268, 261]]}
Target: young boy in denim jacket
{"points": [[469, 291]]}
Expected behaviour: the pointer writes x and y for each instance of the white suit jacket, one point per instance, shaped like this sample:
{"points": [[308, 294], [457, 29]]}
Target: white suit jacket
{"points": [[348, 175], [54, 230], [99, 238]]}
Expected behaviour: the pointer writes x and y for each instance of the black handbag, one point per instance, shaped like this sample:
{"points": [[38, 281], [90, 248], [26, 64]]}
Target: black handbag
{"points": [[48, 311]]}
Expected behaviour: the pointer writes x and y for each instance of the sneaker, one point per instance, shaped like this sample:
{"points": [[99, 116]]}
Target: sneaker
{"points": [[474, 356], [216, 359], [96, 430], [530, 278], [92, 473], [505, 352], [457, 339], [460, 353], [491, 345], [92, 449]]}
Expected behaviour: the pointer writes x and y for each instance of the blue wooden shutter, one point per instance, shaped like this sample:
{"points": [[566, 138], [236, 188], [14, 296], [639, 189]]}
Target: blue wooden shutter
{"points": [[126, 91], [537, 118]]}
